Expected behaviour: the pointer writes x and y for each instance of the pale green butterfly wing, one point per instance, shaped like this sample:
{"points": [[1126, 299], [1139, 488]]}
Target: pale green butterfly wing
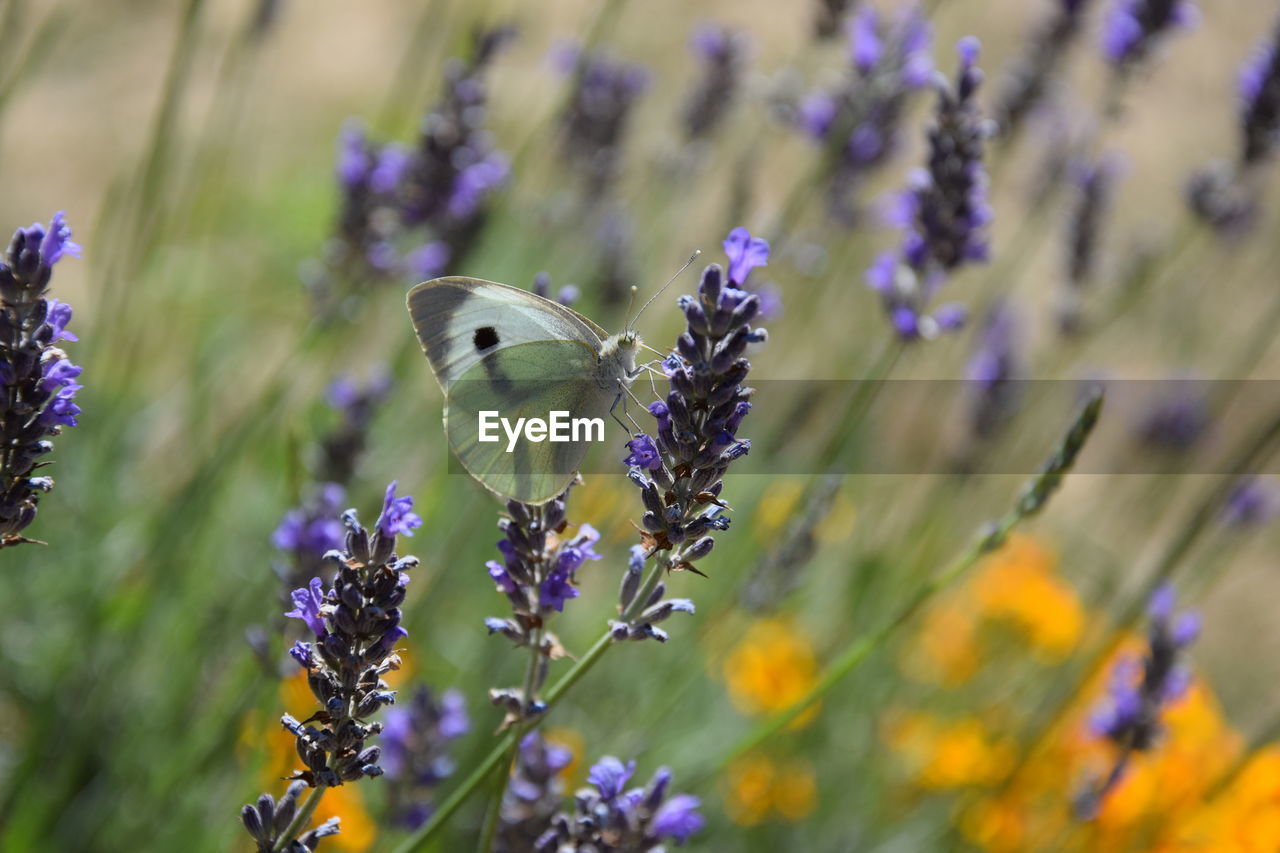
{"points": [[461, 320], [527, 380]]}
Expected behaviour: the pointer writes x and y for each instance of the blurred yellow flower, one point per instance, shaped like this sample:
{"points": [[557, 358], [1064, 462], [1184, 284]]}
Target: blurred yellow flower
{"points": [[777, 506], [946, 754], [784, 499], [1020, 584], [946, 651], [770, 669], [758, 787]]}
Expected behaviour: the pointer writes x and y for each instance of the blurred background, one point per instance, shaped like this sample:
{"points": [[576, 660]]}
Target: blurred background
{"points": [[220, 163]]}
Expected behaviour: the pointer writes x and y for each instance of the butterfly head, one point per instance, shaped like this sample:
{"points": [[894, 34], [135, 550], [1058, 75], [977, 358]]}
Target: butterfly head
{"points": [[618, 353]]}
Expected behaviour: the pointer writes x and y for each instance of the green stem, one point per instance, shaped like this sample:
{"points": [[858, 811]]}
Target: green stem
{"points": [[500, 777], [1256, 452], [861, 648], [299, 820], [418, 840]]}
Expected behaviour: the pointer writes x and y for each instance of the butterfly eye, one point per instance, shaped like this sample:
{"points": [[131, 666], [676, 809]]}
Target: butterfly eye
{"points": [[485, 337]]}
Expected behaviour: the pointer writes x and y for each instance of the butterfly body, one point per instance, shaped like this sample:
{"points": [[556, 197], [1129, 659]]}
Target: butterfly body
{"points": [[496, 348]]}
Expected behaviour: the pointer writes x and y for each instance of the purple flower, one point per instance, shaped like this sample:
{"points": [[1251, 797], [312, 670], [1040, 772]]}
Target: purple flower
{"points": [[354, 159], [578, 550], [745, 253], [816, 114], [398, 517], [1134, 26], [1260, 102], [556, 589], [393, 160], [1253, 502], [1129, 715], [58, 317], [58, 373], [609, 774], [315, 528], [301, 652], [644, 453], [427, 261], [57, 240], [678, 818], [307, 603], [61, 411], [474, 183], [501, 577], [865, 45]]}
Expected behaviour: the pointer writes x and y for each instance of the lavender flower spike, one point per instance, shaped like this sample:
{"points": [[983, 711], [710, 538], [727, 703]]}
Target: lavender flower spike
{"points": [[1226, 194], [696, 439], [356, 625], [415, 751], [1031, 75], [538, 575], [533, 795], [945, 208], [37, 378], [1129, 716], [723, 53], [607, 818], [858, 122]]}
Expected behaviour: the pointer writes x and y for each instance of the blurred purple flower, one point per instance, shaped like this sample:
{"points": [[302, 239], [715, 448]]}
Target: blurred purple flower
{"points": [[314, 528], [1253, 502], [1133, 27]]}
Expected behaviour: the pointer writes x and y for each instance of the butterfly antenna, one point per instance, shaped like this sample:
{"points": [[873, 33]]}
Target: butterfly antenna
{"points": [[687, 264]]}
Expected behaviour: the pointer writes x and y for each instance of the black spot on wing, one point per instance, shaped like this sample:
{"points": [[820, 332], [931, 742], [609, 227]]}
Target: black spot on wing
{"points": [[485, 338], [431, 308]]}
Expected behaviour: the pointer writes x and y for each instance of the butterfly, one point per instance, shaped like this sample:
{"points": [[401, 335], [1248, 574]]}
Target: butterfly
{"points": [[500, 349]]}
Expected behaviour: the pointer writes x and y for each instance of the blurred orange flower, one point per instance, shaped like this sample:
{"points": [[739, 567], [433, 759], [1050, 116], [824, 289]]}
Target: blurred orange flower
{"points": [[770, 669], [946, 754], [757, 788], [1018, 586]]}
